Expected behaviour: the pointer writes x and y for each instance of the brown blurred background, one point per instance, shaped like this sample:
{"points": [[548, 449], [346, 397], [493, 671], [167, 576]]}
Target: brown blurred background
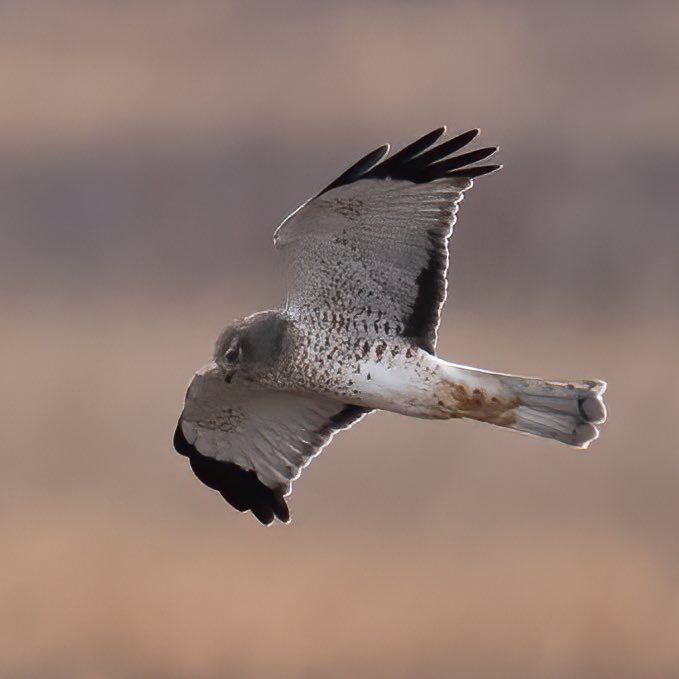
{"points": [[147, 152]]}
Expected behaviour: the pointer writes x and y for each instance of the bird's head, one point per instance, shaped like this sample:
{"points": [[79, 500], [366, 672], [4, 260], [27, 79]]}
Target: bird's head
{"points": [[250, 346]]}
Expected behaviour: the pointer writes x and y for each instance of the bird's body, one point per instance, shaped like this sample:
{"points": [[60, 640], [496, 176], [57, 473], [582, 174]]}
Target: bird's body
{"points": [[367, 260]]}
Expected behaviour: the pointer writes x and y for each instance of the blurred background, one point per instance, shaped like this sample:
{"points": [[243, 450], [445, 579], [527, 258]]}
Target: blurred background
{"points": [[147, 152]]}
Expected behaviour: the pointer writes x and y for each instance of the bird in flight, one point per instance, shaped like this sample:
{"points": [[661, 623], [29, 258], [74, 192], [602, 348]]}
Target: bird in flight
{"points": [[367, 259]]}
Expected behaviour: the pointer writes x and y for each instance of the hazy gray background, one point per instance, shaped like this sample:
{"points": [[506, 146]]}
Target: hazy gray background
{"points": [[147, 152]]}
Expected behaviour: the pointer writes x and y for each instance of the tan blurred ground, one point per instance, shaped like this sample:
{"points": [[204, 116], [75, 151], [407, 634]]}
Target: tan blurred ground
{"points": [[147, 151], [416, 548]]}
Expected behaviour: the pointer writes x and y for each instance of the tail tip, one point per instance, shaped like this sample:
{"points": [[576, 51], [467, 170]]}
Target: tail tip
{"points": [[584, 434], [570, 412], [593, 413], [592, 408]]}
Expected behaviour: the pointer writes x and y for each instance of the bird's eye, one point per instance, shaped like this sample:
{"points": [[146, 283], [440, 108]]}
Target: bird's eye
{"points": [[232, 354]]}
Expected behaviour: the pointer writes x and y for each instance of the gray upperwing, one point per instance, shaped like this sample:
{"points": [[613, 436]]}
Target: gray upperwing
{"points": [[374, 246]]}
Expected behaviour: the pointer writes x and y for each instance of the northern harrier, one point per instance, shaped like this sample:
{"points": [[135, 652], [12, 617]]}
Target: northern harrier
{"points": [[367, 259]]}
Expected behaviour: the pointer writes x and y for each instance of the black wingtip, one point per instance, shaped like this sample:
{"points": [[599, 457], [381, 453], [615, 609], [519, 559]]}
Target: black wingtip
{"points": [[447, 148], [241, 488], [359, 168], [422, 161], [181, 445], [473, 172], [405, 156]]}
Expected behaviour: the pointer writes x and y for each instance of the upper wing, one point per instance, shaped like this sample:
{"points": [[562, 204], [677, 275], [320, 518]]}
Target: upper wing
{"points": [[250, 444], [374, 243]]}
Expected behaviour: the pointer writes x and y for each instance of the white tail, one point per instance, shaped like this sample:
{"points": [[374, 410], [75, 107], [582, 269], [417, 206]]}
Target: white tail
{"points": [[565, 411]]}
